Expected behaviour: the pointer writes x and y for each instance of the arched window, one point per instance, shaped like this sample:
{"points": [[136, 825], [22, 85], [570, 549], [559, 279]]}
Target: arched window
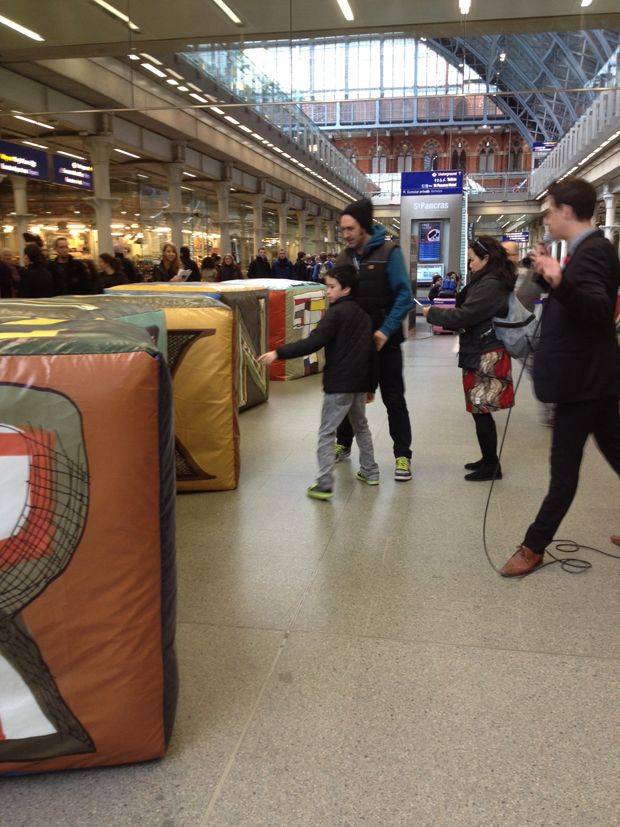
{"points": [[431, 160], [487, 158], [405, 161], [516, 156], [459, 158], [350, 152], [379, 161]]}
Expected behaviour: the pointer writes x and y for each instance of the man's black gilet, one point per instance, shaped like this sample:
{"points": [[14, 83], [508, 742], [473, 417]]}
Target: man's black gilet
{"points": [[374, 294]]}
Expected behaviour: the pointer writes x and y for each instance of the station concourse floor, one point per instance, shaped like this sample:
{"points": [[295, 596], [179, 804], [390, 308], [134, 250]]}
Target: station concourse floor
{"points": [[358, 662]]}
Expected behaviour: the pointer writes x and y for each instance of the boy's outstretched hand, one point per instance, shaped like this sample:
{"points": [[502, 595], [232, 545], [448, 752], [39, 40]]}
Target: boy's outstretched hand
{"points": [[370, 397], [268, 358]]}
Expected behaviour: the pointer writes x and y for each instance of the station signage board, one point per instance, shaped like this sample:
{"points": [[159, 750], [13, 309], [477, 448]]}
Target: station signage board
{"points": [[520, 238], [72, 173], [23, 161], [448, 182], [543, 146]]}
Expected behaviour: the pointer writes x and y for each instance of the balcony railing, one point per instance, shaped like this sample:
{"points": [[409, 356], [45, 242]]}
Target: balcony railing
{"points": [[599, 125]]}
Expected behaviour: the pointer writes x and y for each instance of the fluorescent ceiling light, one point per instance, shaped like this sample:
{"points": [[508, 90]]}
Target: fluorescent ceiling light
{"points": [[117, 13], [29, 120], [172, 82], [175, 74], [123, 152], [277, 149], [21, 29], [464, 6], [228, 11], [152, 59], [133, 57], [285, 155], [189, 174], [345, 8], [585, 3], [257, 136], [38, 146], [218, 111], [141, 176], [189, 189], [183, 89], [194, 87], [231, 119], [71, 155], [154, 70], [244, 128], [197, 97]]}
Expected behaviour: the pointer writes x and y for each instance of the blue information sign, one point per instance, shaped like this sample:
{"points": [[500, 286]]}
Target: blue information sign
{"points": [[543, 146], [449, 182], [72, 173], [520, 238], [24, 161]]}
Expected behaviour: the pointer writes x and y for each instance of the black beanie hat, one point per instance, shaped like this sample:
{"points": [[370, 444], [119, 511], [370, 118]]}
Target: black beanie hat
{"points": [[361, 211]]}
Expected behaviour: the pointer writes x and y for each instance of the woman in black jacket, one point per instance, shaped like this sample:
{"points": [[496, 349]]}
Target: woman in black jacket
{"points": [[111, 273], [36, 282], [487, 376]]}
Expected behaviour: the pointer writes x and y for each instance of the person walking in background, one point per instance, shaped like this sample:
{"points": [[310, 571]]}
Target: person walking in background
{"points": [[300, 267], [69, 274], [349, 379], [188, 263], [169, 266], [487, 376], [385, 294], [9, 275], [126, 264], [111, 272], [229, 269], [36, 281], [208, 270], [259, 266], [282, 268], [577, 361], [433, 293]]}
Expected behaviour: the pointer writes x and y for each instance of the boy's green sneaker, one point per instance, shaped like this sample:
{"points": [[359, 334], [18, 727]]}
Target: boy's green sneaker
{"points": [[319, 493], [402, 472], [340, 453], [362, 478]]}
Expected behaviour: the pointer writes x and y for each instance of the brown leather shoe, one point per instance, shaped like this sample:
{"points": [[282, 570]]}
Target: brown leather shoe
{"points": [[615, 539], [523, 561]]}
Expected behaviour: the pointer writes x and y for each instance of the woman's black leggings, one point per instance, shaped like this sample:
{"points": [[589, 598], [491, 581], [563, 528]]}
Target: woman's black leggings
{"points": [[487, 437]]}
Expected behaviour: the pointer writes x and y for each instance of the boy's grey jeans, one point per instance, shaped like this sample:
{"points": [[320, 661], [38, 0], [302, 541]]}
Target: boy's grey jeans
{"points": [[335, 407]]}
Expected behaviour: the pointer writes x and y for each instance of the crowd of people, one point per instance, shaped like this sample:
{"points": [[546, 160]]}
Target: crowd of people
{"points": [[62, 273]]}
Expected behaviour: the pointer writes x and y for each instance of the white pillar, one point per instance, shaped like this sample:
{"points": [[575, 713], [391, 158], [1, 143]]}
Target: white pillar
{"points": [[563, 249], [302, 217], [282, 229], [318, 234], [222, 189], [100, 149], [611, 202], [258, 202], [174, 173], [331, 234], [554, 249]]}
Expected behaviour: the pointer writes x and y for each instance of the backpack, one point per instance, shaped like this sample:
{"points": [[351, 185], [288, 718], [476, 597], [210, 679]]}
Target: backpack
{"points": [[323, 271], [518, 332], [447, 283]]}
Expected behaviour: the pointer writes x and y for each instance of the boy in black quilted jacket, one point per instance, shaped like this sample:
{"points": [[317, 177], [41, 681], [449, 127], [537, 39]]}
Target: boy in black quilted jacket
{"points": [[350, 377]]}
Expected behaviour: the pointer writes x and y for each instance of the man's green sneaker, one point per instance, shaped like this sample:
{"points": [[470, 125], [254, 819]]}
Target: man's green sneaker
{"points": [[340, 453], [318, 493], [362, 478], [402, 472]]}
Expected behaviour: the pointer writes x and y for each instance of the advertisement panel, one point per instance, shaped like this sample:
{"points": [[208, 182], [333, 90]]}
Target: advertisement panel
{"points": [[430, 241], [23, 161], [520, 238]]}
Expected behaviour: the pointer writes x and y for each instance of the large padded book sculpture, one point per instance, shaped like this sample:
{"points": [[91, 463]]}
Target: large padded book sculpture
{"points": [[250, 305], [198, 338], [87, 547]]}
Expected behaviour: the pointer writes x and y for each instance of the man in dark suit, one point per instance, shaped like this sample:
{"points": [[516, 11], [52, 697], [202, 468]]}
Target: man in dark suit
{"points": [[577, 363]]}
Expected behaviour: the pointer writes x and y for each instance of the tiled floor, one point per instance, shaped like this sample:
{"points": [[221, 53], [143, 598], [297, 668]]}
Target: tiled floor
{"points": [[359, 662]]}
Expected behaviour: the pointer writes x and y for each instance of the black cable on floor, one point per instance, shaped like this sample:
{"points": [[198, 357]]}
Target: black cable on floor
{"points": [[572, 565]]}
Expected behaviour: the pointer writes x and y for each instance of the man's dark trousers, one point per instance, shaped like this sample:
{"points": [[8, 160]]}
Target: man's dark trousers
{"points": [[392, 389], [574, 422]]}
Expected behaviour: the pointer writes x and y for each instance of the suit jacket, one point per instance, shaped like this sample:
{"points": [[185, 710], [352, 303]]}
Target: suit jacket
{"points": [[578, 357]]}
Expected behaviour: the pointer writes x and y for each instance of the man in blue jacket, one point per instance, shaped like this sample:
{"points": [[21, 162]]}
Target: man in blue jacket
{"points": [[282, 268], [385, 294]]}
